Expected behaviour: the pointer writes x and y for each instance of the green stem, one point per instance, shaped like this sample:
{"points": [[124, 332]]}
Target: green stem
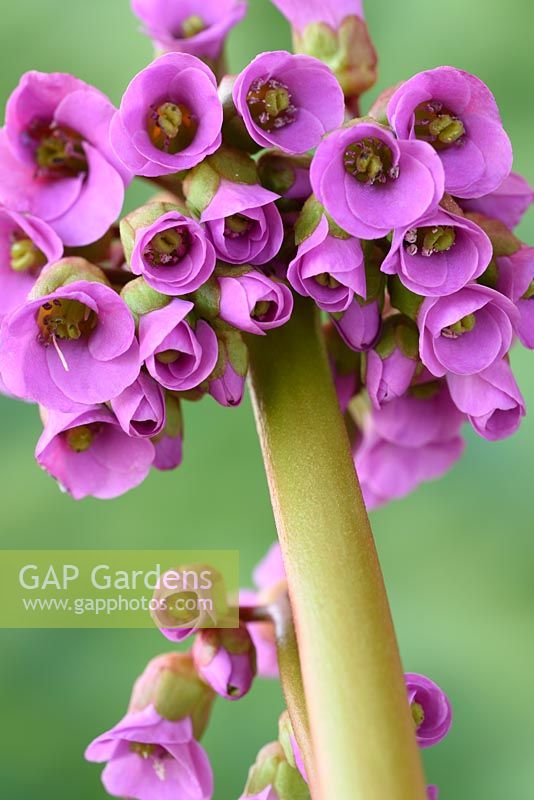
{"points": [[362, 732]]}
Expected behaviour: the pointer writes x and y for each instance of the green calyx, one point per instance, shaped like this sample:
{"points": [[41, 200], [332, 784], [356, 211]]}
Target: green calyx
{"points": [[180, 693], [504, 242], [141, 298], [232, 350], [207, 300], [141, 218], [64, 272], [398, 332], [490, 277], [425, 391], [348, 51], [272, 769], [309, 219], [402, 299], [202, 183]]}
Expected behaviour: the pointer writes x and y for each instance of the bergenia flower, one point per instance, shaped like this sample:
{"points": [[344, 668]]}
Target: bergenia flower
{"points": [[74, 346], [55, 158], [432, 792], [226, 660], [152, 758], [409, 441], [179, 357], [173, 254], [359, 326], [457, 114], [27, 245], [140, 408], [466, 332], [244, 224], [170, 117], [229, 388], [431, 709], [254, 303], [439, 254], [508, 203], [169, 443], [273, 777], [516, 281], [190, 26], [329, 269], [391, 366], [89, 454], [371, 183], [281, 98], [491, 399], [269, 579], [332, 13]]}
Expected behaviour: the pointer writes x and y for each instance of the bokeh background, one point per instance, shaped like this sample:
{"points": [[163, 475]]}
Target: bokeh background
{"points": [[458, 555]]}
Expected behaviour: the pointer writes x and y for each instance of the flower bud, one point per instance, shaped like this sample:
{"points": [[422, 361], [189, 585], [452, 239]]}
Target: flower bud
{"points": [[64, 272], [169, 442], [227, 382], [189, 598], [226, 660], [142, 299], [171, 685], [273, 778], [286, 175], [288, 741], [228, 165], [431, 709], [348, 51]]}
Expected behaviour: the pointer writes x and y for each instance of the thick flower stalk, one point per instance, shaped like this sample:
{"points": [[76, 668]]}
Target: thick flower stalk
{"points": [[361, 270]]}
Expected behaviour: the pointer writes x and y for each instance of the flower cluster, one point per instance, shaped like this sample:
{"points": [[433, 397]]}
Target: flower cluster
{"points": [[397, 225], [154, 753]]}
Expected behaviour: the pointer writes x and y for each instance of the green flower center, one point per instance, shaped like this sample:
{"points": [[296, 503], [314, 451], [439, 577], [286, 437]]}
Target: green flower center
{"points": [[171, 127], [237, 225], [430, 240], [65, 319], [418, 714], [192, 26], [464, 325], [261, 310], [437, 125], [370, 161], [81, 438], [270, 104], [58, 150], [25, 256], [168, 248], [327, 280]]}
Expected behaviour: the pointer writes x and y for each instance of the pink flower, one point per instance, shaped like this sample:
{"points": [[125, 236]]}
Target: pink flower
{"points": [[329, 269], [390, 377], [177, 356], [438, 254], [288, 101], [55, 158], [254, 303], [229, 388], [371, 183], [516, 281], [331, 12], [173, 254], [457, 114], [27, 245], [197, 28], [359, 326], [170, 117], [152, 758], [466, 332], [74, 346], [491, 399], [226, 660], [431, 709], [411, 440], [89, 454], [507, 203], [243, 223], [140, 408]]}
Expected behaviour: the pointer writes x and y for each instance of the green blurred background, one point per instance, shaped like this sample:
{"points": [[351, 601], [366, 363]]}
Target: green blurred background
{"points": [[457, 556]]}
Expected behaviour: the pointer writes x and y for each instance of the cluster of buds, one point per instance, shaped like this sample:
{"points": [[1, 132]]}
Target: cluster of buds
{"points": [[397, 225], [154, 753]]}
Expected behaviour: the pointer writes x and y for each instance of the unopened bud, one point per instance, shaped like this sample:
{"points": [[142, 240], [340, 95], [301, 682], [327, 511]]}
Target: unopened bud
{"points": [[170, 683], [273, 771], [226, 659], [68, 270]]}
